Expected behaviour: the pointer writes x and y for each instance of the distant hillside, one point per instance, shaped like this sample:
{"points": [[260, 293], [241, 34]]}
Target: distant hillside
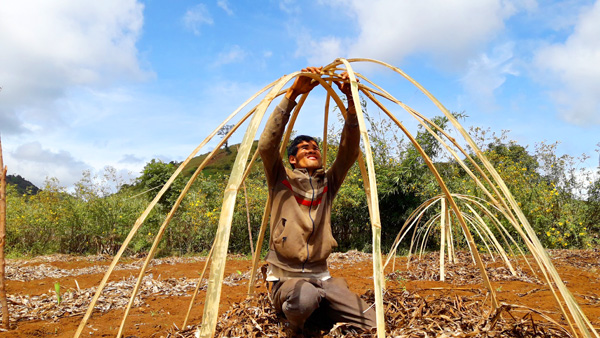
{"points": [[221, 163], [23, 185]]}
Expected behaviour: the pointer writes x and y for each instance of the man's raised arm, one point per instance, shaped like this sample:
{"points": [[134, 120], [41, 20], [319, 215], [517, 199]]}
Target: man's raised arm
{"points": [[349, 141], [268, 144]]}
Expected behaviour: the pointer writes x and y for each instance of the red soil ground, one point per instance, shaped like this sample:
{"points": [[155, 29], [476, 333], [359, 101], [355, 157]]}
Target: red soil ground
{"points": [[159, 313]]}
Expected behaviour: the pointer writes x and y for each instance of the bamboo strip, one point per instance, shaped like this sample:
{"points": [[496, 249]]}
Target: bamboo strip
{"points": [[375, 218], [261, 235], [501, 229], [213, 294], [425, 230], [151, 206], [420, 118], [267, 209], [442, 240], [413, 219], [383, 93], [451, 251], [187, 315], [539, 253], [169, 217], [406, 226], [453, 205], [325, 123], [248, 217], [476, 226], [3, 301]]}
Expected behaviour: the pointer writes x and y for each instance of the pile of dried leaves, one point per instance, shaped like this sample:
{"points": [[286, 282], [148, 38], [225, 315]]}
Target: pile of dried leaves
{"points": [[581, 259], [407, 315], [463, 271], [115, 295], [25, 270]]}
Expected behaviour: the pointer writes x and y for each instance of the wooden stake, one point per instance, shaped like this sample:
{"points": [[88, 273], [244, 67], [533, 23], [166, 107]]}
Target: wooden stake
{"points": [[442, 240], [3, 302], [248, 217]]}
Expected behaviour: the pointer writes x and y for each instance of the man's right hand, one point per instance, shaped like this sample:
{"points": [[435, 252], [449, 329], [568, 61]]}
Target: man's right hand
{"points": [[303, 84]]}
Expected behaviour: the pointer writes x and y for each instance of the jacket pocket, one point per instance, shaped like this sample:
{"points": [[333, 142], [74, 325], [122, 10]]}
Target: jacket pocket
{"points": [[278, 230], [288, 241]]}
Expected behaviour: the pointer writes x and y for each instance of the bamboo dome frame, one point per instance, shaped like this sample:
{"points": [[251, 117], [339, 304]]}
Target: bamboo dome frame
{"points": [[500, 197]]}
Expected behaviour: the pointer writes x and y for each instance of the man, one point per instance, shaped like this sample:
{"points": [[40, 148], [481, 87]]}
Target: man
{"points": [[301, 237]]}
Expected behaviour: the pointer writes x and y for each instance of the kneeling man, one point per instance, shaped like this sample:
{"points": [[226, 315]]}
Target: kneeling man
{"points": [[301, 236]]}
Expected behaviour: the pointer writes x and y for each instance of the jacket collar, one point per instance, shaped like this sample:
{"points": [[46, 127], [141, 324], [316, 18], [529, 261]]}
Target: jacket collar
{"points": [[317, 173]]}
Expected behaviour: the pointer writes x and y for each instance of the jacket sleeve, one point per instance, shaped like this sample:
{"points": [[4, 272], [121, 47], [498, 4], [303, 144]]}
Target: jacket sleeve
{"points": [[268, 144], [347, 153]]}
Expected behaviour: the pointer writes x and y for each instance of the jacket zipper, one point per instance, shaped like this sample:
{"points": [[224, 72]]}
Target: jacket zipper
{"points": [[312, 220]]}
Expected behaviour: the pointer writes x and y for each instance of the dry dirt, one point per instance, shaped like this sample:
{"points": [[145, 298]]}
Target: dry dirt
{"points": [[169, 283]]}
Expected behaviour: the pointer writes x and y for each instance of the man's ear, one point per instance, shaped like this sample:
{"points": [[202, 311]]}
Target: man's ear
{"points": [[292, 159]]}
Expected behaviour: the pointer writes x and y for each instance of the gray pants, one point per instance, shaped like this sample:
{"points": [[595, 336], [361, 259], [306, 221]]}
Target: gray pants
{"points": [[328, 302]]}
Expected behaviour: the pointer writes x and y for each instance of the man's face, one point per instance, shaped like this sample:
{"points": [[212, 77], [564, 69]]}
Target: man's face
{"points": [[308, 156]]}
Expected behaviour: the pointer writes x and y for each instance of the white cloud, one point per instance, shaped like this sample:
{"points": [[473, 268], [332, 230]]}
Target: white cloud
{"points": [[60, 45], [224, 4], [319, 51], [488, 72], [289, 6], [131, 158], [35, 163], [572, 69], [232, 55], [196, 17], [390, 30]]}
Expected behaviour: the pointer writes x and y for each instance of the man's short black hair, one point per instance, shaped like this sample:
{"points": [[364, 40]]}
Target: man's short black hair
{"points": [[292, 149]]}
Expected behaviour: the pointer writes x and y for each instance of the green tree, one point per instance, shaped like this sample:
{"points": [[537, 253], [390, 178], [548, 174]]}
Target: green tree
{"points": [[154, 176]]}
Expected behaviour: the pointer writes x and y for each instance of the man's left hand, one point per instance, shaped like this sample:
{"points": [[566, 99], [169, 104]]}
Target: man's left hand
{"points": [[344, 85]]}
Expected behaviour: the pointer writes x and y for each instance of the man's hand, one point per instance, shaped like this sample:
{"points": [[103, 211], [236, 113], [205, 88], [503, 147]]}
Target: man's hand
{"points": [[344, 85], [303, 84]]}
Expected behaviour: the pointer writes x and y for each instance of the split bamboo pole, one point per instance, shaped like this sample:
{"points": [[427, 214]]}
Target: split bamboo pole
{"points": [[442, 240], [325, 124], [451, 256], [539, 253], [3, 301], [267, 210], [414, 219], [248, 218], [187, 315], [501, 228], [142, 218], [169, 217], [448, 195], [501, 206], [259, 242], [420, 118], [425, 232], [426, 123], [374, 203], [213, 293]]}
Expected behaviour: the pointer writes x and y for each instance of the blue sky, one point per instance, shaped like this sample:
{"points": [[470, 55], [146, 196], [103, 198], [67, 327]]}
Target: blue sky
{"points": [[119, 82]]}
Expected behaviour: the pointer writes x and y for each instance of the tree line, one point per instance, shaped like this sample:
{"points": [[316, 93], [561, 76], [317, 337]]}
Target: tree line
{"points": [[560, 198]]}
